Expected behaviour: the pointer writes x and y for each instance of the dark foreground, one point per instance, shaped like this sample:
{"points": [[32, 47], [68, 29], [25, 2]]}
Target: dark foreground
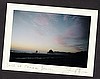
{"points": [[73, 60]]}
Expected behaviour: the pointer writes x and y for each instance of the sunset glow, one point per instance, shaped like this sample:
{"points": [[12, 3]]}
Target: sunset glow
{"points": [[44, 31]]}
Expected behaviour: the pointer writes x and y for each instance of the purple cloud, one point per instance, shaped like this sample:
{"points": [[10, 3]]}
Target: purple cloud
{"points": [[72, 37]]}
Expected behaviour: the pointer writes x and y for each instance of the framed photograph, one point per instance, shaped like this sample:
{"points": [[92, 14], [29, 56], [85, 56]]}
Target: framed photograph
{"points": [[46, 39]]}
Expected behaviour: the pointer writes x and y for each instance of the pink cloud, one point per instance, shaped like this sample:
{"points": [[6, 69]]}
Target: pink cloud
{"points": [[41, 20], [65, 17], [71, 37], [62, 42], [73, 32]]}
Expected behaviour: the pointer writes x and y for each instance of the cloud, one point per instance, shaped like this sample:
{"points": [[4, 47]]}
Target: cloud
{"points": [[73, 37]]}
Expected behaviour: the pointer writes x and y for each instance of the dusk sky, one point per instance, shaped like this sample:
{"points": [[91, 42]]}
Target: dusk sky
{"points": [[44, 31]]}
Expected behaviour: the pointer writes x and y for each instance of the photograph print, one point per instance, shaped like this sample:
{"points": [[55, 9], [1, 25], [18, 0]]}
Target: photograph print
{"points": [[49, 39], [45, 38]]}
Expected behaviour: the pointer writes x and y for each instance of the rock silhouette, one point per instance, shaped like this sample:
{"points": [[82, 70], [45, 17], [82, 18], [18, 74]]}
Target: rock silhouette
{"points": [[50, 51]]}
